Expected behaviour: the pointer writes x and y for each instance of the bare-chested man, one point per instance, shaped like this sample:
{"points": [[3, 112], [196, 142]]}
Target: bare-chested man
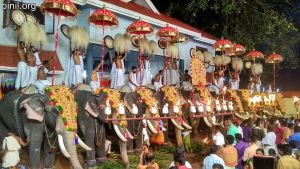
{"points": [[119, 71], [33, 69], [158, 80], [42, 81], [133, 79], [175, 73], [186, 84], [75, 68], [95, 83], [22, 67]]}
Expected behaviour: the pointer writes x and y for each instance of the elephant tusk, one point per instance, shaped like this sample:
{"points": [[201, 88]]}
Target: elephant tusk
{"points": [[186, 125], [118, 132], [151, 127], [207, 122], [62, 146], [129, 135], [241, 116], [176, 124], [82, 144]]}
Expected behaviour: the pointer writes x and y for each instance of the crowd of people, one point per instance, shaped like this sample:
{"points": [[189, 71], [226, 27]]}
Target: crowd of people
{"points": [[255, 145]]}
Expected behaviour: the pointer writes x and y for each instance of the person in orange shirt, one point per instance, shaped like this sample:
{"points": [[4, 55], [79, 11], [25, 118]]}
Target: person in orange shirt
{"points": [[288, 131], [229, 153]]}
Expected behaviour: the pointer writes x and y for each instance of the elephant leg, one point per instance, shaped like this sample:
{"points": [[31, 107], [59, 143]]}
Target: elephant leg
{"points": [[166, 125], [49, 157], [101, 139], [178, 136], [124, 155], [3, 131], [130, 141], [89, 135], [139, 139], [195, 124], [36, 138]]}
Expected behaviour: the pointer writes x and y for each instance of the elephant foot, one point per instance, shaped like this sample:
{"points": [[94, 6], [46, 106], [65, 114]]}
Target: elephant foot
{"points": [[90, 164], [100, 160]]}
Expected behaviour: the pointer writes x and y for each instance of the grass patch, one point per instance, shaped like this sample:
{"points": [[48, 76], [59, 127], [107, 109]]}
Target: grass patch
{"points": [[163, 157]]}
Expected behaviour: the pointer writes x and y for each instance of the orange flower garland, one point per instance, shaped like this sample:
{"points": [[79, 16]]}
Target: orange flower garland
{"points": [[147, 96]]}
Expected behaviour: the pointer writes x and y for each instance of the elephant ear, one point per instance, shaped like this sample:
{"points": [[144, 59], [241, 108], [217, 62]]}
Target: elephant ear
{"points": [[34, 107]]}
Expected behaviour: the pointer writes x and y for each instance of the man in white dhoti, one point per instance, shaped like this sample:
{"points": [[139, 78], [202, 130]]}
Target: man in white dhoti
{"points": [[186, 83], [257, 83], [146, 72], [217, 83], [113, 71], [75, 69], [132, 82], [95, 82], [36, 54], [22, 67], [42, 81], [158, 80], [119, 71], [174, 72]]}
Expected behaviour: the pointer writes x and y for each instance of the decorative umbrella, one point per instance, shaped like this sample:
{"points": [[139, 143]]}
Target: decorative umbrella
{"points": [[234, 51], [58, 8], [274, 59], [141, 29], [222, 45], [253, 56], [105, 18], [179, 39], [168, 33]]}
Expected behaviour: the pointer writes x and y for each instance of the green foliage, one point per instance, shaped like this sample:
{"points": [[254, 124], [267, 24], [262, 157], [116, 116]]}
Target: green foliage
{"points": [[267, 25]]}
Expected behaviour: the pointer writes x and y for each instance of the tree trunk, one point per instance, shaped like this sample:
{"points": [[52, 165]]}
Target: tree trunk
{"points": [[178, 137], [124, 155]]}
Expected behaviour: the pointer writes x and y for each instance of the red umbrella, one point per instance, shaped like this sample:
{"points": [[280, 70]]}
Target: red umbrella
{"points": [[103, 17], [168, 33], [274, 58], [140, 28], [254, 55], [222, 45], [236, 49], [58, 8]]}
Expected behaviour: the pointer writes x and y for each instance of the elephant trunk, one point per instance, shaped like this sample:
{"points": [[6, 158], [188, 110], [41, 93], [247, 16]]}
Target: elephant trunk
{"points": [[124, 156], [68, 138]]}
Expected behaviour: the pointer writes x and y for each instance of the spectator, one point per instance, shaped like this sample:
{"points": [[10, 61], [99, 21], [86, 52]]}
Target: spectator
{"points": [[11, 146], [180, 163], [246, 127], [295, 136], [259, 152], [279, 129], [270, 137], [147, 160], [212, 159], [218, 137], [258, 131], [237, 124], [232, 129], [218, 166], [288, 131], [179, 152], [287, 161], [229, 153], [240, 147], [271, 152], [251, 150]]}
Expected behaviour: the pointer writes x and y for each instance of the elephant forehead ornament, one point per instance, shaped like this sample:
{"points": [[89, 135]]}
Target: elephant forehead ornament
{"points": [[165, 109], [135, 109], [192, 107], [200, 107], [107, 110], [63, 99]]}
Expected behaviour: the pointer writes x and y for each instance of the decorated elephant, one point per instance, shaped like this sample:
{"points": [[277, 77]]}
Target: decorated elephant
{"points": [[50, 117], [91, 123]]}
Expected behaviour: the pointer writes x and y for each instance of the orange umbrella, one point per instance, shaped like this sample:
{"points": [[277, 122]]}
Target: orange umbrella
{"points": [[58, 8]]}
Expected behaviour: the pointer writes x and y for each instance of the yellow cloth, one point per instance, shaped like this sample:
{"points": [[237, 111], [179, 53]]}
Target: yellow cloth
{"points": [[158, 138], [286, 134], [230, 155], [288, 162], [250, 152]]}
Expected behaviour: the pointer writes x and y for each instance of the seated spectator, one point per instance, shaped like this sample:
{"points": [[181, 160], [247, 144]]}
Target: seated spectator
{"points": [[271, 152], [251, 150], [180, 163], [295, 136], [229, 153], [288, 131], [240, 147], [147, 160], [218, 137], [212, 159], [287, 161], [259, 152], [179, 152], [218, 166], [270, 137]]}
